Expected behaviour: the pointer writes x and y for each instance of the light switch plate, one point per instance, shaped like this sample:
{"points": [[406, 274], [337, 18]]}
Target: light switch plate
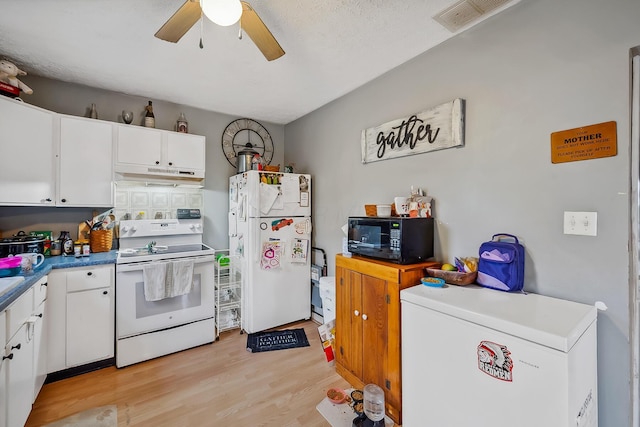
{"points": [[581, 223]]}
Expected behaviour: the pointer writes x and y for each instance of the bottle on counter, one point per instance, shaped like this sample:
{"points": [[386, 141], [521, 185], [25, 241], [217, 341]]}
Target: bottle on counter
{"points": [[77, 249], [93, 113], [149, 118], [56, 248], [66, 242]]}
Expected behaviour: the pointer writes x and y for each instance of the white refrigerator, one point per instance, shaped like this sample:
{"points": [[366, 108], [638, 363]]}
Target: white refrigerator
{"points": [[270, 232], [478, 357]]}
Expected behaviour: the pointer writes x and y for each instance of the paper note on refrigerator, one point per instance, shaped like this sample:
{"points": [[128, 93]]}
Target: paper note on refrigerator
{"points": [[270, 258], [299, 250], [290, 188], [268, 195], [233, 225]]}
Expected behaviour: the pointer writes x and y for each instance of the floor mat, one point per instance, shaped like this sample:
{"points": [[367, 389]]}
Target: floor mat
{"points": [[276, 340], [103, 416]]}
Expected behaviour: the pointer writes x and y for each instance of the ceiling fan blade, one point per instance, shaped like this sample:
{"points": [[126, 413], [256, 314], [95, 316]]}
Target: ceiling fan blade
{"points": [[181, 21], [259, 33]]}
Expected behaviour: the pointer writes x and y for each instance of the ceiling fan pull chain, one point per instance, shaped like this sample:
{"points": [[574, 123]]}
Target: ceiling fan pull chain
{"points": [[201, 30]]}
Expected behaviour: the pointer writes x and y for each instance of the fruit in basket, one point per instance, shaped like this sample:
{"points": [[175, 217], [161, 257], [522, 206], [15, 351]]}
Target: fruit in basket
{"points": [[448, 267]]}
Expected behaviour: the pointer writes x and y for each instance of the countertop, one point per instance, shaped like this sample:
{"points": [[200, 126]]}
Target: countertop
{"points": [[51, 263]]}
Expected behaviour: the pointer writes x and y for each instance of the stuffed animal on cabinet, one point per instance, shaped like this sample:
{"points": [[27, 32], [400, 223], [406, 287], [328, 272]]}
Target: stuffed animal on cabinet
{"points": [[9, 73]]}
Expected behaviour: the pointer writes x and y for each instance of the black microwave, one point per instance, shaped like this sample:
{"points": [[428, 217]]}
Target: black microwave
{"points": [[400, 240]]}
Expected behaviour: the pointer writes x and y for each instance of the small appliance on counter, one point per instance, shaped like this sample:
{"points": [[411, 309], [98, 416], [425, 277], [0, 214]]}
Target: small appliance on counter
{"points": [[21, 243], [400, 240]]}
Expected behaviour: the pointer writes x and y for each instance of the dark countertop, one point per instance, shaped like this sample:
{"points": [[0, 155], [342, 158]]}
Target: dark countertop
{"points": [[51, 263]]}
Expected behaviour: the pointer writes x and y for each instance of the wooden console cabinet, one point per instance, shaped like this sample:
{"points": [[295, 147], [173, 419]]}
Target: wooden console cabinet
{"points": [[368, 323]]}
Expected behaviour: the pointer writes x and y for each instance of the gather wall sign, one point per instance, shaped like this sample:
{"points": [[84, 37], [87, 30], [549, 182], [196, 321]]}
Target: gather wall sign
{"points": [[434, 129]]}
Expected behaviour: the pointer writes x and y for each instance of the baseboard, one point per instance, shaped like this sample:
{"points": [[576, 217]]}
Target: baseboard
{"points": [[79, 370]]}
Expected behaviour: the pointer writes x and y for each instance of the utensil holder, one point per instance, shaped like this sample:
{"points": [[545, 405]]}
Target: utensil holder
{"points": [[101, 240]]}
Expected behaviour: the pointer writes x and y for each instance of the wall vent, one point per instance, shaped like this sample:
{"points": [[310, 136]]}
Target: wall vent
{"points": [[465, 12]]}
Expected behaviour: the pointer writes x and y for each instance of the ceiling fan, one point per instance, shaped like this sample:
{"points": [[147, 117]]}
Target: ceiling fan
{"points": [[192, 10]]}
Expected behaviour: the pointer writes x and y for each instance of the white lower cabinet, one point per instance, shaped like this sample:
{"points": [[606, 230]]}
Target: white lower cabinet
{"points": [[18, 361], [81, 316], [90, 326], [3, 370], [39, 335]]}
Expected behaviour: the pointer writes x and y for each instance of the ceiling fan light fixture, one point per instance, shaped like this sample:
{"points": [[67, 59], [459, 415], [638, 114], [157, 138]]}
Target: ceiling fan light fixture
{"points": [[222, 12]]}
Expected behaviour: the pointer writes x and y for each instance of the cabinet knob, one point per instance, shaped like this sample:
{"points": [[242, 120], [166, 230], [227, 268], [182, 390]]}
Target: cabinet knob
{"points": [[39, 315], [16, 347], [105, 292], [10, 356], [356, 312], [170, 163], [63, 200], [48, 199], [44, 284], [157, 162], [89, 273], [364, 317]]}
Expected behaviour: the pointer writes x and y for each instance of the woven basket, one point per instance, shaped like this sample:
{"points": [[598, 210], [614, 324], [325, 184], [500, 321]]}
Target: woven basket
{"points": [[270, 168], [101, 240], [453, 277]]}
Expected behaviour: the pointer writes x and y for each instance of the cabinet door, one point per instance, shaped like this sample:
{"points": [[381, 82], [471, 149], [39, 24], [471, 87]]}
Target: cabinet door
{"points": [[185, 151], [27, 172], [348, 320], [86, 163], [90, 326], [19, 376], [55, 313], [3, 370], [374, 330], [39, 351], [138, 146]]}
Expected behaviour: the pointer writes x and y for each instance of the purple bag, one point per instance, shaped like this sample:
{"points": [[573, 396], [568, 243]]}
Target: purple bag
{"points": [[501, 264]]}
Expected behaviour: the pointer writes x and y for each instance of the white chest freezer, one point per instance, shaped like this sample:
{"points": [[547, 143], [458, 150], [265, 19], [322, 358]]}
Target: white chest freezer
{"points": [[478, 357]]}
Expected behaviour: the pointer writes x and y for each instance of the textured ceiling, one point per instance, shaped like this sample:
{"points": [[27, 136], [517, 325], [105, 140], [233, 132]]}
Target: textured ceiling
{"points": [[332, 47]]}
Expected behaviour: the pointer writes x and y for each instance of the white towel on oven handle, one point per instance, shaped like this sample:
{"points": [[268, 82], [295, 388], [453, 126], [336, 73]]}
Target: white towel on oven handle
{"points": [[155, 279], [181, 281]]}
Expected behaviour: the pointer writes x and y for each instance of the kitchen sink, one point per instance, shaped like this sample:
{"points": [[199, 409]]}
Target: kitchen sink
{"points": [[8, 283]]}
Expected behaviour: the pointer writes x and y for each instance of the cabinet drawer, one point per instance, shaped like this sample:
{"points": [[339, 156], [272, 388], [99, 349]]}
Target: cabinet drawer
{"points": [[40, 291], [19, 312], [89, 278]]}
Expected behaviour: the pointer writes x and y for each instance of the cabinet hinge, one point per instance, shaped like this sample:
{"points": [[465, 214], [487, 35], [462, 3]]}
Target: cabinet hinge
{"points": [[387, 384], [341, 281], [388, 299], [341, 351]]}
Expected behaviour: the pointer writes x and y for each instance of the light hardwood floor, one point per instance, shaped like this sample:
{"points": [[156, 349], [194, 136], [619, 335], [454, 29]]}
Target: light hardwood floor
{"points": [[219, 384]]}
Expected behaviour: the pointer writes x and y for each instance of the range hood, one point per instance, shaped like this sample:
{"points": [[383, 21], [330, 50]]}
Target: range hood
{"points": [[143, 172]]}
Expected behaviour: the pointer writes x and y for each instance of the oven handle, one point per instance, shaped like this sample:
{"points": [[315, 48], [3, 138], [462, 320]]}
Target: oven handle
{"points": [[138, 266]]}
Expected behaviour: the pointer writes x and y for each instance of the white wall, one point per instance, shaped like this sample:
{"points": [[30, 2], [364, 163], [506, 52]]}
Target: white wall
{"points": [[537, 68], [68, 98]]}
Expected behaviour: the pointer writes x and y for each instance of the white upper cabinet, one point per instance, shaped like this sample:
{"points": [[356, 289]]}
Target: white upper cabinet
{"points": [[185, 150], [27, 150], [144, 151], [139, 146], [85, 163]]}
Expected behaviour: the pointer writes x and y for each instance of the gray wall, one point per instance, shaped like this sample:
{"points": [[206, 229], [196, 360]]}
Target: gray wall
{"points": [[73, 99], [537, 68]]}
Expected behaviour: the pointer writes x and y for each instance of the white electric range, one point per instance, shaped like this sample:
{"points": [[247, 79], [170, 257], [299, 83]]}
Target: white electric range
{"points": [[145, 327]]}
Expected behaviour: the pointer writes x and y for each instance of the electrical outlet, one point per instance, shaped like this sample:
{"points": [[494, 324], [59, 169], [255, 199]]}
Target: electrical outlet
{"points": [[581, 223]]}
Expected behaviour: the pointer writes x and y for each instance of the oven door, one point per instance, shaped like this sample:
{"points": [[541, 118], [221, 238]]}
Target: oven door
{"points": [[136, 315]]}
